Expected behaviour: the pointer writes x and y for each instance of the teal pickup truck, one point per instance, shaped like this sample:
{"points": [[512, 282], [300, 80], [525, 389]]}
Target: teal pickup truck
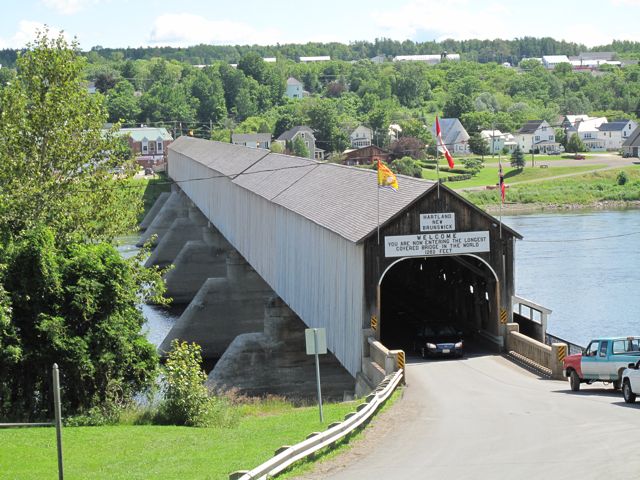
{"points": [[603, 360]]}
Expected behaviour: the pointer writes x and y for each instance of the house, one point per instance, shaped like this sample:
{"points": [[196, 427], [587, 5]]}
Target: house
{"points": [[322, 58], [253, 140], [589, 132], [537, 136], [361, 137], [497, 141], [552, 61], [454, 136], [614, 134], [378, 58], [149, 144], [631, 146], [306, 134], [366, 156], [571, 120], [430, 59], [295, 88]]}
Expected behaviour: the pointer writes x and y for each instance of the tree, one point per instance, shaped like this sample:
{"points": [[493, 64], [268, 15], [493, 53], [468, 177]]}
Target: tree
{"points": [[479, 144], [457, 105], [77, 306], [207, 88], [56, 159], [299, 148], [575, 145], [408, 146], [122, 103], [517, 159]]}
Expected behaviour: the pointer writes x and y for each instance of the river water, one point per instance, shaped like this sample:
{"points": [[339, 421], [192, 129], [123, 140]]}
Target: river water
{"points": [[585, 267]]}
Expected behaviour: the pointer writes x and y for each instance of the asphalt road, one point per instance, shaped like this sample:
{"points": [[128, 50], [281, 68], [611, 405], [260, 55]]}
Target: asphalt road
{"points": [[484, 417]]}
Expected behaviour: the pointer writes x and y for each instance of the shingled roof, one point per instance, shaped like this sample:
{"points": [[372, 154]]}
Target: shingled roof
{"points": [[339, 198], [531, 126]]}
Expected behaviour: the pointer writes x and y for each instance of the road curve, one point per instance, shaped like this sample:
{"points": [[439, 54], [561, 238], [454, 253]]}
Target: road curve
{"points": [[484, 417]]}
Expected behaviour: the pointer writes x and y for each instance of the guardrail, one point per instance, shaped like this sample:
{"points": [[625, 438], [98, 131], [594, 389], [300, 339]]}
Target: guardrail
{"points": [[286, 456], [549, 358], [573, 347]]}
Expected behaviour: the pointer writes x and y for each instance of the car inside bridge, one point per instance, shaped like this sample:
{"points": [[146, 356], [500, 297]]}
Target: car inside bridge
{"points": [[432, 299]]}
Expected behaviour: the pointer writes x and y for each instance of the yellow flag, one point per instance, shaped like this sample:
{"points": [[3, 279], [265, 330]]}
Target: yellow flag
{"points": [[386, 178]]}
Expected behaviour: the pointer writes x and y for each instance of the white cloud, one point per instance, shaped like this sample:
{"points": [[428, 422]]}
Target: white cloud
{"points": [[27, 33], [185, 29], [68, 7]]}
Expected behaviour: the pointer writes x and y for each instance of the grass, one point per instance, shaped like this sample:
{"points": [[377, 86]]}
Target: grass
{"points": [[145, 451], [584, 189], [150, 189]]}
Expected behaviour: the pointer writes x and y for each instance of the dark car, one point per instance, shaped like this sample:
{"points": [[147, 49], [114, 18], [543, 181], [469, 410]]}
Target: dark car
{"points": [[439, 340]]}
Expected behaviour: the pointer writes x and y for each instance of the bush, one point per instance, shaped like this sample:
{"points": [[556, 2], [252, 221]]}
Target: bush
{"points": [[622, 178], [186, 398]]}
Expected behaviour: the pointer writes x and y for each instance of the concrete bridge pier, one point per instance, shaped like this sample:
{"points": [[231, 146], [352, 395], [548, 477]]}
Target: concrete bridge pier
{"points": [[274, 361], [176, 206], [151, 214], [182, 230], [222, 309]]}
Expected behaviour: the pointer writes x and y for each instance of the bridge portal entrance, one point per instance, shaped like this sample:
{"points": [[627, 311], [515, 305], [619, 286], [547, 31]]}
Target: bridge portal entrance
{"points": [[457, 291]]}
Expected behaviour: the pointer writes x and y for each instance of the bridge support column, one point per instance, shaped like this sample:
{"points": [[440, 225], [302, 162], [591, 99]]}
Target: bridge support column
{"points": [[222, 309], [176, 206], [275, 361], [151, 214], [182, 230]]}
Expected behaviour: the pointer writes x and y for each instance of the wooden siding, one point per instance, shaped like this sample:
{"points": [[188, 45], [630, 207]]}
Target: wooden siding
{"points": [[316, 272]]}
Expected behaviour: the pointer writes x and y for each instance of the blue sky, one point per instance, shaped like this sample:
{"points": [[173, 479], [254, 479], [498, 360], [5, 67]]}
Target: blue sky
{"points": [[122, 23]]}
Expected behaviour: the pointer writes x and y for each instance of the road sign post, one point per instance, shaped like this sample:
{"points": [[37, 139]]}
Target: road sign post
{"points": [[316, 343]]}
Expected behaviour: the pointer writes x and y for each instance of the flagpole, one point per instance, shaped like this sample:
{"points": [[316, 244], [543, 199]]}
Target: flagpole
{"points": [[378, 202], [437, 169]]}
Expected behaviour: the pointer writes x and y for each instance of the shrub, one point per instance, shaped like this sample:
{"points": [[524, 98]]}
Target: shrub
{"points": [[186, 398], [622, 178]]}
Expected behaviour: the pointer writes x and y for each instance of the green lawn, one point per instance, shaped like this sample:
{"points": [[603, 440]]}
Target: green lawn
{"points": [[489, 175], [576, 190], [166, 452]]}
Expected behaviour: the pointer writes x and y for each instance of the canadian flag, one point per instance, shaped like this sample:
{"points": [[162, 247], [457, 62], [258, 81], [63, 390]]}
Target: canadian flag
{"points": [[443, 147]]}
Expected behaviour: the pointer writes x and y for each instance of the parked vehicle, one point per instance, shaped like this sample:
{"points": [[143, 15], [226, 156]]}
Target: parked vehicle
{"points": [[437, 340], [603, 360], [631, 382]]}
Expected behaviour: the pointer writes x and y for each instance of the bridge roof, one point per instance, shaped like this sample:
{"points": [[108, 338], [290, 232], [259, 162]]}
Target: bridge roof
{"points": [[339, 198]]}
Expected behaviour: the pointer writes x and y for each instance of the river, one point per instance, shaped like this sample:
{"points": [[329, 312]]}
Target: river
{"points": [[585, 267]]}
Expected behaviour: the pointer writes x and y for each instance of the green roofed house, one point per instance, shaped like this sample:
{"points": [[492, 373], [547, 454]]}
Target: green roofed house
{"points": [[149, 145]]}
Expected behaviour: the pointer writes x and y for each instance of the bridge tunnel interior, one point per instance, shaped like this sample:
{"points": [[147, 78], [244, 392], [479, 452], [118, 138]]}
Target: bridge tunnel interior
{"points": [[456, 291]]}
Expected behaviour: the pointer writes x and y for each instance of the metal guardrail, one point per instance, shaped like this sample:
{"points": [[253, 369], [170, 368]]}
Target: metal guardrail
{"points": [[573, 347], [317, 441]]}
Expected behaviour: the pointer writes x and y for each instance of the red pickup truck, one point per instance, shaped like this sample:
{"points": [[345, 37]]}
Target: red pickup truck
{"points": [[603, 360]]}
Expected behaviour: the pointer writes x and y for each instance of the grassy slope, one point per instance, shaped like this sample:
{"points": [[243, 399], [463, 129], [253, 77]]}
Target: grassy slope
{"points": [[143, 452], [577, 190]]}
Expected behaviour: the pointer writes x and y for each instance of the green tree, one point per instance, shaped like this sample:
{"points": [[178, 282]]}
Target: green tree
{"points": [[122, 103], [575, 144], [207, 88], [186, 399], [478, 144], [56, 160], [517, 159], [407, 166], [77, 306], [299, 148], [457, 105]]}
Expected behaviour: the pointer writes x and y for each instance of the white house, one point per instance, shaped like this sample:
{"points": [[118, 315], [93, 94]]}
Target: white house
{"points": [[614, 134], [253, 140], [497, 141], [322, 58], [295, 88], [361, 137], [537, 136], [454, 136], [631, 146], [430, 59], [589, 132], [307, 136], [551, 61]]}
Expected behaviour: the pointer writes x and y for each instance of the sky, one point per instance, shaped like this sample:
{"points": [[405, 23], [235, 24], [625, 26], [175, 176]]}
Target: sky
{"points": [[136, 23]]}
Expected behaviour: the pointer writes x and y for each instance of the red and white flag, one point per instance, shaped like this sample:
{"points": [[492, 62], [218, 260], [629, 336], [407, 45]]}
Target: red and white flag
{"points": [[443, 147]]}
